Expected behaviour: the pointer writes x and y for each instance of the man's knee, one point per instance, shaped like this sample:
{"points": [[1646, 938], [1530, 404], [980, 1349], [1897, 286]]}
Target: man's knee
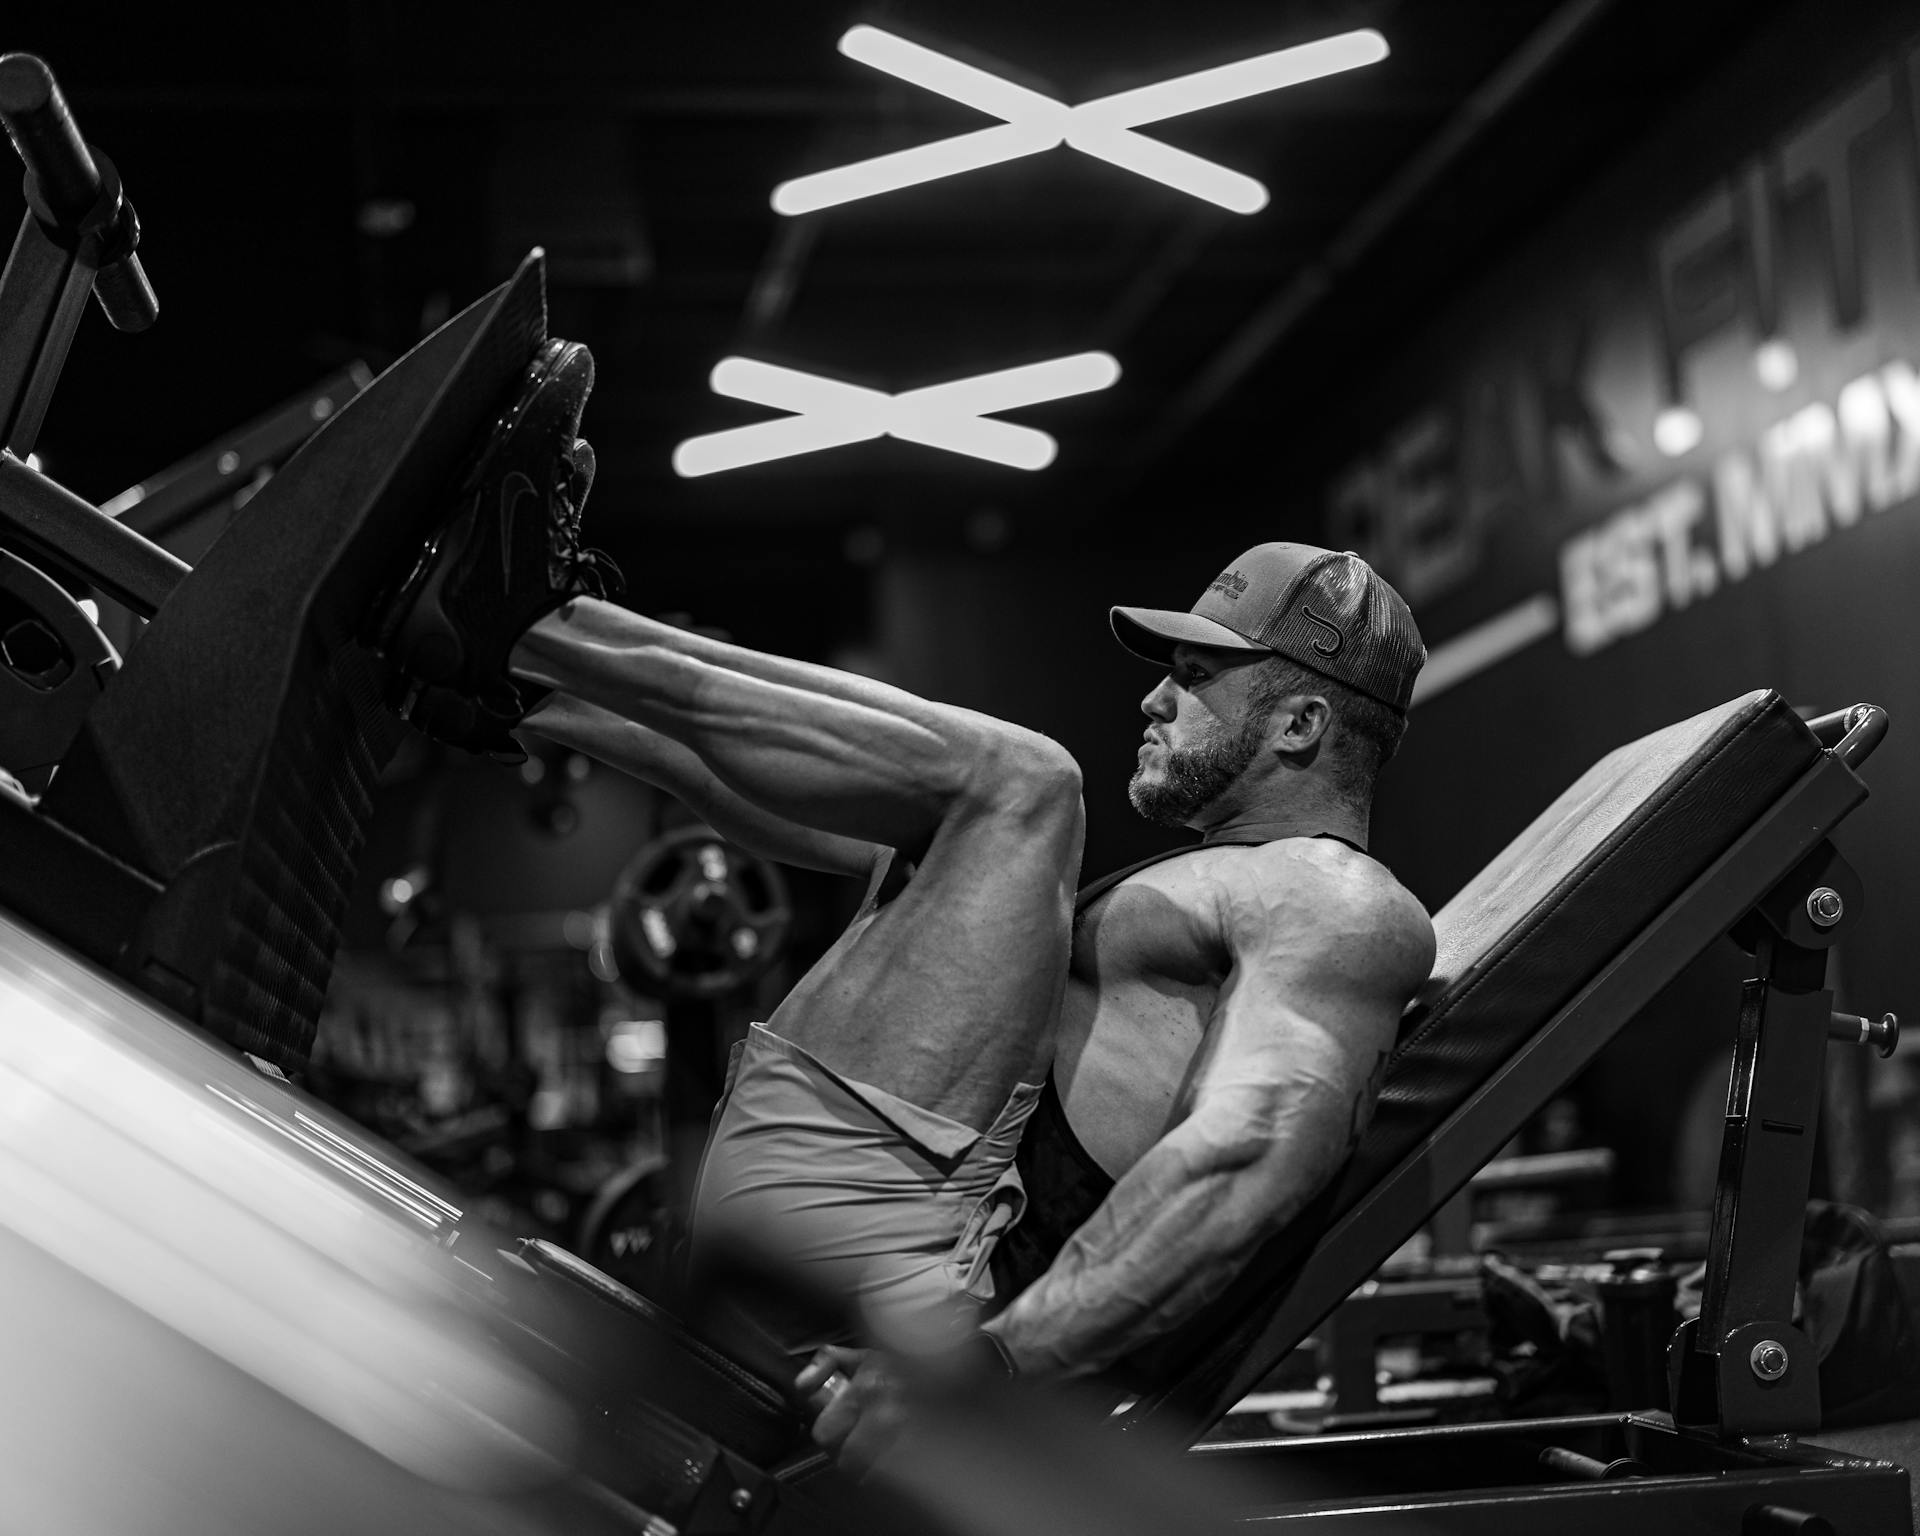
{"points": [[1023, 773]]}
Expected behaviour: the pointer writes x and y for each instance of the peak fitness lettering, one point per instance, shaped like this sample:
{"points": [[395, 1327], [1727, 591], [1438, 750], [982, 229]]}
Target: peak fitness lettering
{"points": [[1730, 386], [1815, 473], [1559, 411]]}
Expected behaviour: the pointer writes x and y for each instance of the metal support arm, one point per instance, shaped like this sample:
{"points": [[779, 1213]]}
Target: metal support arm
{"points": [[1741, 1367], [79, 236], [55, 528]]}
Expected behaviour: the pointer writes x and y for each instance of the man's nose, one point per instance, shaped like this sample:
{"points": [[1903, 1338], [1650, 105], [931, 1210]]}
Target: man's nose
{"points": [[1161, 704]]}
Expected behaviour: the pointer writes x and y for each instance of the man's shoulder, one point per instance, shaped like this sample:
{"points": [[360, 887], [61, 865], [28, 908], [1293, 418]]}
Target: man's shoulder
{"points": [[1321, 891], [1312, 867]]}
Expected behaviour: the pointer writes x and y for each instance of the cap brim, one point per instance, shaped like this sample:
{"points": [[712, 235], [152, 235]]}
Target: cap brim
{"points": [[1152, 633]]}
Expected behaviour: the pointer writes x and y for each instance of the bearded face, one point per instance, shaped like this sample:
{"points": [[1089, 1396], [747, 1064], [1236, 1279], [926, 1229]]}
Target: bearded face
{"points": [[1171, 786]]}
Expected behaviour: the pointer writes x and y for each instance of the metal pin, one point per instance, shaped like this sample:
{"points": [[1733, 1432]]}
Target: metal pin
{"points": [[1769, 1360]]}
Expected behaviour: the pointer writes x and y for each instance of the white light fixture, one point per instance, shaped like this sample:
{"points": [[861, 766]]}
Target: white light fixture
{"points": [[1104, 128], [1678, 430], [830, 413], [1775, 364]]}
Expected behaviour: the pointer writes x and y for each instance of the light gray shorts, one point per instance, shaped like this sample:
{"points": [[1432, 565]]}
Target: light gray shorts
{"points": [[871, 1195]]}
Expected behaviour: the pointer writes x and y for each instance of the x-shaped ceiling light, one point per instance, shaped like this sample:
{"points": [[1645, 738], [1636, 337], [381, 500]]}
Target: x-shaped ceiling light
{"points": [[1103, 128], [830, 412]]}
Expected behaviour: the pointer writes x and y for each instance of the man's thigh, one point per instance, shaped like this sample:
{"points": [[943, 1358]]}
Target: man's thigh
{"points": [[948, 994]]}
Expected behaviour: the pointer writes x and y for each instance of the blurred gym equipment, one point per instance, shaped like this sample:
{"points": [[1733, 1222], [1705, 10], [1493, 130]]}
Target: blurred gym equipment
{"points": [[694, 917], [78, 237], [54, 662], [694, 920]]}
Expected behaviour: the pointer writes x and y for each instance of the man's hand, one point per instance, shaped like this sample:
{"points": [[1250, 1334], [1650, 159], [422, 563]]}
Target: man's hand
{"points": [[861, 1400]]}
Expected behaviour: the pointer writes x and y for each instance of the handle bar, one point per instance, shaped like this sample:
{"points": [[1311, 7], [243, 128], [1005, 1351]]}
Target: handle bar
{"points": [[69, 184], [1852, 733]]}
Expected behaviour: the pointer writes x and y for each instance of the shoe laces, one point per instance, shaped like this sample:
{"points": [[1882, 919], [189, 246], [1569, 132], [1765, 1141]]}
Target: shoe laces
{"points": [[578, 567], [593, 571]]}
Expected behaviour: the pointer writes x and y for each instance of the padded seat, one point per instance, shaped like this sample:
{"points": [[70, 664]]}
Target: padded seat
{"points": [[1566, 895]]}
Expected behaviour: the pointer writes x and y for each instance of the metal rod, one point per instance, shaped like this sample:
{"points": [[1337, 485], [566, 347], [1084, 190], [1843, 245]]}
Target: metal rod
{"points": [[34, 294], [49, 524], [1882, 1033], [77, 188], [43, 130], [1868, 725]]}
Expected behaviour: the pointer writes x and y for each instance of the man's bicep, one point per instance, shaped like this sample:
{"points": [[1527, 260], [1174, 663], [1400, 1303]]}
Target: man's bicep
{"points": [[1290, 1008], [1301, 1034], [1284, 1094], [1334, 953]]}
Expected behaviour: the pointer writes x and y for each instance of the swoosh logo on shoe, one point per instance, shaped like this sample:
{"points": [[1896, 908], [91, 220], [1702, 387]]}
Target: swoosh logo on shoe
{"points": [[512, 488]]}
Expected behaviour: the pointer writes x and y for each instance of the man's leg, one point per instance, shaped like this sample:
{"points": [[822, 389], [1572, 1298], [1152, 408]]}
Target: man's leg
{"points": [[645, 754], [947, 995]]}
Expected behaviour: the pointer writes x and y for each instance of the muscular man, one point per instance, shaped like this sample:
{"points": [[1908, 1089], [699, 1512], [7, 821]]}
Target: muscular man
{"points": [[1201, 1039], [1229, 1008]]}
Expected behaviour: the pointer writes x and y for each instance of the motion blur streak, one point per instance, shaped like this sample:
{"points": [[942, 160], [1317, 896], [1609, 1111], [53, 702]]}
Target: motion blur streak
{"points": [[163, 1169]]}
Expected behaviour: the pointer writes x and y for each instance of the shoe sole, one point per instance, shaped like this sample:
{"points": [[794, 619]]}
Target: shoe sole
{"points": [[420, 640]]}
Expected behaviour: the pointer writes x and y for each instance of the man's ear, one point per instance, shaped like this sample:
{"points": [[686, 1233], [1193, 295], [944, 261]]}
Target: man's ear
{"points": [[1300, 724]]}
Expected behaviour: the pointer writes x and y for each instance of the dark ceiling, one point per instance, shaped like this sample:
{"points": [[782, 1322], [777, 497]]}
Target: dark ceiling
{"points": [[323, 188]]}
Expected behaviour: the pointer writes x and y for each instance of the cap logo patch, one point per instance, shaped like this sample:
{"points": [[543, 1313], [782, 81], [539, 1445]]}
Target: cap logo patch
{"points": [[1329, 647], [1229, 584]]}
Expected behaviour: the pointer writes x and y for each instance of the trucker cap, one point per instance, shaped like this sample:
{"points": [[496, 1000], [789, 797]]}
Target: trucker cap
{"points": [[1330, 612]]}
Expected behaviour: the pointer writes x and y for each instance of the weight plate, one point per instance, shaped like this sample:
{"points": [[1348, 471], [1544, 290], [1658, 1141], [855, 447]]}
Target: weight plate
{"points": [[693, 916]]}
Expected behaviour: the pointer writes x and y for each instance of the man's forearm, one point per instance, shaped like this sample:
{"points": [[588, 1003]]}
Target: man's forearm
{"points": [[1172, 1234]]}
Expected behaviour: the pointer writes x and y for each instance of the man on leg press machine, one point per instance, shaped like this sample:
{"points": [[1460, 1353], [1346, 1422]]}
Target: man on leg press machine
{"points": [[1209, 1032], [1664, 845]]}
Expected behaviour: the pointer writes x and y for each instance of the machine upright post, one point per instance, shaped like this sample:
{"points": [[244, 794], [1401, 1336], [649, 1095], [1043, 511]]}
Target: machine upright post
{"points": [[79, 236], [1741, 1367], [43, 294], [1766, 1156]]}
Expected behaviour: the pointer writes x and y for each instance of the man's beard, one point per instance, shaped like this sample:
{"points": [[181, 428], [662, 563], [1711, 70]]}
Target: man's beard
{"points": [[1195, 777]]}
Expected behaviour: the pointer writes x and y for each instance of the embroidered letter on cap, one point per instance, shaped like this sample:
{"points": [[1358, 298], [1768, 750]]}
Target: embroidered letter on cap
{"points": [[1229, 584], [1332, 629]]}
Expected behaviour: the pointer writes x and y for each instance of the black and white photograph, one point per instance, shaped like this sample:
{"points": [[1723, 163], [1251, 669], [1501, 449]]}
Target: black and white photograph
{"points": [[953, 768]]}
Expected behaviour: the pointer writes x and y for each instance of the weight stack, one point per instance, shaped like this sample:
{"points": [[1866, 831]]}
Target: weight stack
{"points": [[233, 757]]}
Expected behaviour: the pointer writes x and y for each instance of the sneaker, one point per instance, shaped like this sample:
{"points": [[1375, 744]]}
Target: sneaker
{"points": [[509, 555]]}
